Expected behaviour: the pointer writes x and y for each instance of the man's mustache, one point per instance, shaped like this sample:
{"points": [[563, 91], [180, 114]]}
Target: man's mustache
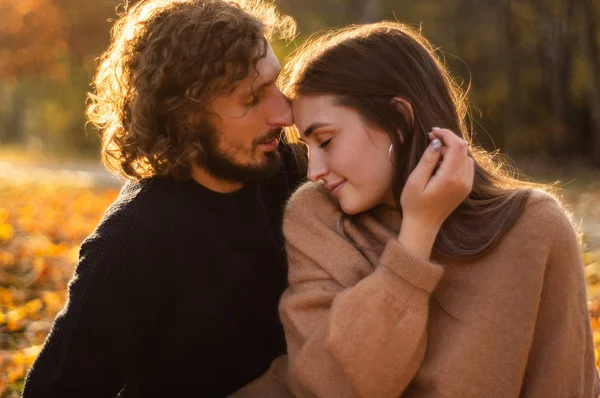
{"points": [[274, 134]]}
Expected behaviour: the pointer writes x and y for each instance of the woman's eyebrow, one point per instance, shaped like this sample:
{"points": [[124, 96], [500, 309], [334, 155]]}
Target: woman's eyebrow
{"points": [[313, 127]]}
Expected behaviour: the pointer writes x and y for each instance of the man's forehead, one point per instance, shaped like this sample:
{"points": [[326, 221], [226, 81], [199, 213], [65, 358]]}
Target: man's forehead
{"points": [[267, 69]]}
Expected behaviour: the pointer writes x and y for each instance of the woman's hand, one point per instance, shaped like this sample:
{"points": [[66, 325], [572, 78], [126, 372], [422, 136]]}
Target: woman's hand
{"points": [[428, 198]]}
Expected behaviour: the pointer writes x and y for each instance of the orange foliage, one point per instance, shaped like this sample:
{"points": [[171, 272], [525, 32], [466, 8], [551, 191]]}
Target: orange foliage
{"points": [[41, 37], [41, 228], [32, 37]]}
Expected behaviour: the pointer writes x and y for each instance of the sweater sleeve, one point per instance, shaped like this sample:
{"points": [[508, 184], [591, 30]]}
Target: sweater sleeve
{"points": [[94, 339], [561, 361], [364, 339]]}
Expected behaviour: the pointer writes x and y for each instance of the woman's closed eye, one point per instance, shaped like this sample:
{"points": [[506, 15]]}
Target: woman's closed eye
{"points": [[323, 144]]}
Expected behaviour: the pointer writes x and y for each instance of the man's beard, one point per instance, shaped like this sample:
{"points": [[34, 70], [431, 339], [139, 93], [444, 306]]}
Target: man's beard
{"points": [[221, 165]]}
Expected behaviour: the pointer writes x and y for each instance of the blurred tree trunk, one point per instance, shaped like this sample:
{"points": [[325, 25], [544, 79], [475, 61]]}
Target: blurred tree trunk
{"points": [[511, 61], [13, 126], [556, 51], [590, 52], [372, 11]]}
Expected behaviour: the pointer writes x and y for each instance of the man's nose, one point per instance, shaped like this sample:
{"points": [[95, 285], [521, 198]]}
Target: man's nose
{"points": [[281, 111]]}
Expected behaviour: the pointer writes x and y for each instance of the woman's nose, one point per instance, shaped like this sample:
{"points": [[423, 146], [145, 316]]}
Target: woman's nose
{"points": [[317, 170]]}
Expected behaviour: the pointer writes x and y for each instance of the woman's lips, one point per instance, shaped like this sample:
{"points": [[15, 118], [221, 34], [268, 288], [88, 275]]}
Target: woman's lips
{"points": [[335, 188]]}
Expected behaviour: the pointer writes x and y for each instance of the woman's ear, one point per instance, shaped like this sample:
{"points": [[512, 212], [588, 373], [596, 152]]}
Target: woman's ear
{"points": [[406, 109]]}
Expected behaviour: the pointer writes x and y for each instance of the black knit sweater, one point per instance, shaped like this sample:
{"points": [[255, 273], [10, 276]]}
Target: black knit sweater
{"points": [[175, 295]]}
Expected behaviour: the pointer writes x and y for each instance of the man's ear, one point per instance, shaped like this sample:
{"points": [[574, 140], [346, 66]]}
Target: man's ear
{"points": [[406, 109]]}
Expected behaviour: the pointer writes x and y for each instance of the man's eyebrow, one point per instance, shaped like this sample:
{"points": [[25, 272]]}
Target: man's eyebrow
{"points": [[313, 127], [252, 91], [263, 85]]}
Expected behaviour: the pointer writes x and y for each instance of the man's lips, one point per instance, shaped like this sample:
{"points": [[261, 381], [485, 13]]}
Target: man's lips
{"points": [[270, 145], [273, 135]]}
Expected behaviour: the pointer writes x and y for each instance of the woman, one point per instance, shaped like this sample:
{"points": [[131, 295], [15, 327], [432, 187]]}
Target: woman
{"points": [[417, 267]]}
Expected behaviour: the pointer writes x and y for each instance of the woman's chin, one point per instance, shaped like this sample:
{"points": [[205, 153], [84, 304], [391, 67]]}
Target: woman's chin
{"points": [[351, 208]]}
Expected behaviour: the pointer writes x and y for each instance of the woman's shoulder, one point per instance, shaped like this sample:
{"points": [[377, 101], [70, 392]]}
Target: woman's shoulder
{"points": [[545, 213], [544, 205], [311, 201]]}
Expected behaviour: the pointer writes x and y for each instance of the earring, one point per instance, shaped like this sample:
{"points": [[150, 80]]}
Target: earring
{"points": [[390, 151]]}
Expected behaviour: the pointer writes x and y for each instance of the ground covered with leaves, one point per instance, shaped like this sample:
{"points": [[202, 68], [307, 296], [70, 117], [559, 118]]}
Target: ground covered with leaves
{"points": [[44, 217], [43, 220]]}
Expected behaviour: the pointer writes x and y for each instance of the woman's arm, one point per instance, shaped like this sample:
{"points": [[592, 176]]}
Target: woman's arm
{"points": [[366, 340], [561, 360]]}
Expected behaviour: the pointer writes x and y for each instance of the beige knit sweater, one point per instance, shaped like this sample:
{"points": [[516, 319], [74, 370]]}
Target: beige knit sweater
{"points": [[371, 320]]}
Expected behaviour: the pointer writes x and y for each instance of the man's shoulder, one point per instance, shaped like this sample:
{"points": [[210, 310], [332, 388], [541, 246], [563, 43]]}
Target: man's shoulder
{"points": [[140, 208], [146, 197], [126, 237]]}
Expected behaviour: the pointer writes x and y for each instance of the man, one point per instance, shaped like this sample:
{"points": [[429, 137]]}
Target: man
{"points": [[176, 291]]}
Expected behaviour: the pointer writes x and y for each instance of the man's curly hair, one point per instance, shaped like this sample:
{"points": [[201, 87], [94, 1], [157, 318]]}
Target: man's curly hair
{"points": [[167, 60]]}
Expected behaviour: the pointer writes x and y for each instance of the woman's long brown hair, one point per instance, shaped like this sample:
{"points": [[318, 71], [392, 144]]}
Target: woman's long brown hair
{"points": [[365, 66]]}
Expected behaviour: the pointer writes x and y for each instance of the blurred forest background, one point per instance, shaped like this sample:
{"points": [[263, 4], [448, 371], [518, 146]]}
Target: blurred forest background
{"points": [[533, 66]]}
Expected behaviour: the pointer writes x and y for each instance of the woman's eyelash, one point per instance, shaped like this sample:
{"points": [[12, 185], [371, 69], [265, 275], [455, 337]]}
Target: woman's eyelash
{"points": [[324, 143]]}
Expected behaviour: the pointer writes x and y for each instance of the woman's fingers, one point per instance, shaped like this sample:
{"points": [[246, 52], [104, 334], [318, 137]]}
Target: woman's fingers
{"points": [[455, 154], [431, 198], [470, 173], [422, 173], [453, 178], [444, 148]]}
